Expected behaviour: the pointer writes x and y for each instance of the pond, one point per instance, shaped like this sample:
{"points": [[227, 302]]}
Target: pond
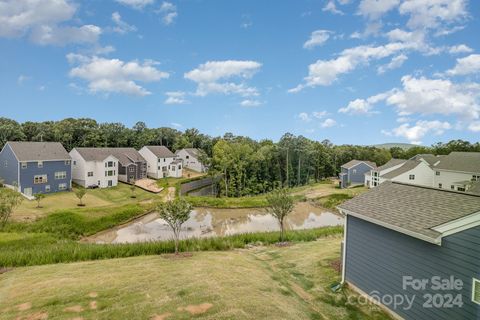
{"points": [[208, 222]]}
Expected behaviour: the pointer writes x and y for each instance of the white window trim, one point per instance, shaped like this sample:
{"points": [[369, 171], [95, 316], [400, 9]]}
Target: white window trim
{"points": [[475, 282]]}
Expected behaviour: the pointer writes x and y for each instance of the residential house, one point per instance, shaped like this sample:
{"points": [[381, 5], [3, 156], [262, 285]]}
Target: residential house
{"points": [[416, 172], [457, 171], [36, 167], [190, 158], [353, 172], [398, 236], [375, 177], [161, 162], [131, 165], [94, 167]]}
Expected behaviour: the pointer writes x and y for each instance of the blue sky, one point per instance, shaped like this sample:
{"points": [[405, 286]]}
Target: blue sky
{"points": [[357, 72]]}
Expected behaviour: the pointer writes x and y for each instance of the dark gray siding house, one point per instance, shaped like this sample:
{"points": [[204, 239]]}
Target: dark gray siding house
{"points": [[36, 167], [399, 234], [131, 165], [353, 172]]}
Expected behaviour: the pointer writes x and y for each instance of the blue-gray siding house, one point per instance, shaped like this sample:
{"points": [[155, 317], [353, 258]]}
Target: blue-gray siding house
{"points": [[402, 241], [353, 172], [36, 167]]}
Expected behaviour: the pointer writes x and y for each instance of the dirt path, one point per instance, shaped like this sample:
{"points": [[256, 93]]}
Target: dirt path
{"points": [[171, 194]]}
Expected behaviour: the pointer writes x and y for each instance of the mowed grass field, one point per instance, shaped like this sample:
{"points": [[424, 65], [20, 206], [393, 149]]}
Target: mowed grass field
{"points": [[257, 283]]}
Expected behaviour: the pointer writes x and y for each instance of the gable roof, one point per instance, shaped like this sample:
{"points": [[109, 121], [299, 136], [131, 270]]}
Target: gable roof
{"points": [[38, 151], [94, 154], [407, 166], [193, 152], [391, 163], [431, 159], [161, 151], [460, 161], [352, 163], [125, 156], [413, 210]]}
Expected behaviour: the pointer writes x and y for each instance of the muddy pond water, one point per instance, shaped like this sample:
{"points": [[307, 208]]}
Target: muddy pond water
{"points": [[209, 222]]}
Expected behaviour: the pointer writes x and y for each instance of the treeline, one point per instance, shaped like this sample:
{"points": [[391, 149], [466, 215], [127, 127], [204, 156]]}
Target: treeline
{"points": [[247, 166]]}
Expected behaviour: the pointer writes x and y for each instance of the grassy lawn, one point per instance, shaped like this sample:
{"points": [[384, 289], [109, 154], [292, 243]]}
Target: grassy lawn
{"points": [[258, 283], [95, 198]]}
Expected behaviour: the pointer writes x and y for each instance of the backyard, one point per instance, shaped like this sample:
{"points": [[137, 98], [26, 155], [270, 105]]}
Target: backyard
{"points": [[283, 283]]}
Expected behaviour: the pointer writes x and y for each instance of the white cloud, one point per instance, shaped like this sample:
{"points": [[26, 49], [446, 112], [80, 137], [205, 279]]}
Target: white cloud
{"points": [[395, 63], [474, 126], [215, 76], [317, 38], [250, 103], [374, 9], [304, 117], [328, 123], [176, 125], [22, 78], [362, 106], [332, 8], [136, 4], [414, 133], [467, 65], [461, 48], [41, 19], [121, 26], [169, 11], [432, 13], [114, 75], [319, 114], [175, 97]]}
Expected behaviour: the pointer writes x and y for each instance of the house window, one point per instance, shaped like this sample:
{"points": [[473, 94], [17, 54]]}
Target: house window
{"points": [[440, 186], [90, 174], [476, 291], [164, 159], [40, 164], [109, 173], [411, 177], [354, 171], [437, 173], [452, 187], [110, 164], [173, 168], [62, 186], [67, 162], [40, 179], [47, 188], [24, 165], [475, 178], [74, 162], [179, 167], [60, 175], [164, 168], [131, 169], [461, 189]]}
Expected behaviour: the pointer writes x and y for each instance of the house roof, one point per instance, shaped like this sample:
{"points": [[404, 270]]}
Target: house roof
{"points": [[352, 163], [161, 151], [460, 161], [431, 159], [413, 210], [391, 163], [94, 154], [193, 152], [125, 156], [407, 166], [38, 151]]}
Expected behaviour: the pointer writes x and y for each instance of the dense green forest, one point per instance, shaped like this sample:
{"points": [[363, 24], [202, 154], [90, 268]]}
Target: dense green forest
{"points": [[247, 166]]}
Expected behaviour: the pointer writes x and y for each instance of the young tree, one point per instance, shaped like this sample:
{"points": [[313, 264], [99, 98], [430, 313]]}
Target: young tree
{"points": [[80, 193], [280, 205], [133, 187], [9, 200], [39, 197], [175, 213]]}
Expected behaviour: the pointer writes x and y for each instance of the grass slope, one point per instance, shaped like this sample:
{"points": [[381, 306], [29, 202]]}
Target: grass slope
{"points": [[259, 283]]}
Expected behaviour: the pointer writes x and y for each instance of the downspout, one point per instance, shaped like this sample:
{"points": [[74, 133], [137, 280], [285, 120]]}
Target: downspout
{"points": [[344, 249]]}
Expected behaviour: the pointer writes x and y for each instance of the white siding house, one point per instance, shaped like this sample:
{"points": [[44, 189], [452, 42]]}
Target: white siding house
{"points": [[190, 159], [161, 162], [376, 178], [457, 171], [415, 172], [92, 167]]}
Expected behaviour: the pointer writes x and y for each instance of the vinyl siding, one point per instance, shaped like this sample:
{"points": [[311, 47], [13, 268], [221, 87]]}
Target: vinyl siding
{"points": [[355, 175], [49, 168], [8, 166], [377, 259]]}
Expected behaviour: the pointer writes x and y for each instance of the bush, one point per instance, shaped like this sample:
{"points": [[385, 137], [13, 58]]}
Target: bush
{"points": [[334, 200]]}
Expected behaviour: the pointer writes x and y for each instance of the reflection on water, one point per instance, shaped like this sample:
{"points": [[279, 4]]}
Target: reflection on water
{"points": [[219, 222]]}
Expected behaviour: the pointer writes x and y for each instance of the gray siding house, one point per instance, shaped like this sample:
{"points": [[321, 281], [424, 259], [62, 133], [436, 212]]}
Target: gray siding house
{"points": [[36, 167], [398, 236], [131, 165], [353, 172]]}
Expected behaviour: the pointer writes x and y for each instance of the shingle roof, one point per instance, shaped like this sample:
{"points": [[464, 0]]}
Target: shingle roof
{"points": [[193, 152], [353, 163], [412, 208], [407, 166], [161, 151], [39, 151], [94, 154], [126, 156], [391, 163], [460, 161], [431, 159]]}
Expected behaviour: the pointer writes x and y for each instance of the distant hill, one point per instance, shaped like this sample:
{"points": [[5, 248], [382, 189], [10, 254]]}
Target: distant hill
{"points": [[404, 146]]}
